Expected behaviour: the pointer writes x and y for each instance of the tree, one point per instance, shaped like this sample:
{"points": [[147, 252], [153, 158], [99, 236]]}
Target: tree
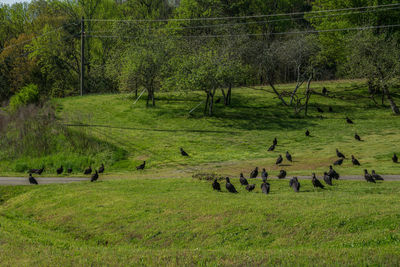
{"points": [[376, 58]]}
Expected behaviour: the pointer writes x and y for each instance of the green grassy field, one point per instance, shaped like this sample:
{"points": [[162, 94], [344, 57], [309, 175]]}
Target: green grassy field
{"points": [[184, 222], [161, 216], [237, 137]]}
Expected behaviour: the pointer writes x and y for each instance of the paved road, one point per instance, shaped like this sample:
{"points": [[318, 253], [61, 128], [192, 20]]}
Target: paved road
{"points": [[66, 180], [41, 180]]}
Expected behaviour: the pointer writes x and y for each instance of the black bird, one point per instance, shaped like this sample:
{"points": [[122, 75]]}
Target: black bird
{"points": [[101, 169], [339, 154], [338, 162], [95, 176], [230, 186], [288, 156], [218, 100], [349, 121], [330, 109], [275, 142], [141, 166], [40, 171], [69, 170], [282, 174], [37, 171], [88, 170], [357, 137], [327, 179], [394, 158], [265, 188], [368, 177], [316, 182], [271, 148], [264, 175], [243, 181], [324, 91], [320, 110], [216, 185], [376, 176], [307, 133], [254, 173], [183, 153], [355, 161], [279, 160], [32, 179], [294, 183], [332, 173], [60, 170], [250, 187]]}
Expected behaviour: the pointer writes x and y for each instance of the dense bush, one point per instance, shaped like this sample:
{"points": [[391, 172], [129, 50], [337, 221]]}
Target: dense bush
{"points": [[29, 94]]}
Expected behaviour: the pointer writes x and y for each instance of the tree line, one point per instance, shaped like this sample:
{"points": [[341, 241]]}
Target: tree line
{"points": [[207, 45]]}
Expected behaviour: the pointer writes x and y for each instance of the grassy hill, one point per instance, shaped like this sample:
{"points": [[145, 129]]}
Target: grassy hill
{"points": [[237, 137], [136, 218], [183, 222]]}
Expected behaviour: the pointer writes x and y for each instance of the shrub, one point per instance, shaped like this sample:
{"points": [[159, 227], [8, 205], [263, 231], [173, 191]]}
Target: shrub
{"points": [[29, 94]]}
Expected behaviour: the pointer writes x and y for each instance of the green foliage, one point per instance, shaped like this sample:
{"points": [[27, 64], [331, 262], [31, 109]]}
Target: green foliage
{"points": [[29, 94]]}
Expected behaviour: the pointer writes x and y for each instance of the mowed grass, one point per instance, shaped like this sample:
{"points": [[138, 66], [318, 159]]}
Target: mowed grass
{"points": [[237, 137], [184, 222]]}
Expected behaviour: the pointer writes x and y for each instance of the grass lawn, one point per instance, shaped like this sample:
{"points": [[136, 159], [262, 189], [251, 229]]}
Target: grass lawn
{"points": [[184, 222], [236, 138]]}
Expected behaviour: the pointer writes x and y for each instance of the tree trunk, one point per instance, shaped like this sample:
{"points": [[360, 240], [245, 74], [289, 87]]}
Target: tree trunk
{"points": [[206, 105], [229, 95], [211, 104], [393, 105], [148, 97], [308, 93], [278, 94], [225, 97], [152, 97]]}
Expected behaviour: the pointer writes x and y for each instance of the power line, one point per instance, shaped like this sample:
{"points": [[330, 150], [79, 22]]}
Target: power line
{"points": [[265, 21], [255, 34], [244, 17]]}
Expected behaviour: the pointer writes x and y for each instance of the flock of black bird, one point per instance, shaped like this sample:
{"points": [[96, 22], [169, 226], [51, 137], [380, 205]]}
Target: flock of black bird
{"points": [[87, 171], [294, 182]]}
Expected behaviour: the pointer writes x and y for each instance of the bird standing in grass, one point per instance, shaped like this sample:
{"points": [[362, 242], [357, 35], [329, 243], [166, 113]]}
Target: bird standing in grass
{"points": [[95, 176], [254, 173], [60, 170], [88, 170], [368, 177], [316, 182], [101, 169], [243, 181], [324, 91], [275, 141], [394, 158], [294, 183], [69, 170], [282, 174], [264, 175], [307, 133], [327, 179], [279, 160], [339, 154], [250, 187], [288, 156], [32, 179], [265, 188], [271, 148], [349, 121], [141, 166], [332, 173], [320, 110], [355, 161], [230, 186], [216, 185], [330, 109], [376, 176], [183, 153], [338, 162], [357, 137]]}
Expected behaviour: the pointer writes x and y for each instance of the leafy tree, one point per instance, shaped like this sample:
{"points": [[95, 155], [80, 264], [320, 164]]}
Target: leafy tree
{"points": [[377, 59]]}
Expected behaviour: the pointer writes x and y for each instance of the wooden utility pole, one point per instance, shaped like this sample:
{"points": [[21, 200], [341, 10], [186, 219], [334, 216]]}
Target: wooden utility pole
{"points": [[82, 55]]}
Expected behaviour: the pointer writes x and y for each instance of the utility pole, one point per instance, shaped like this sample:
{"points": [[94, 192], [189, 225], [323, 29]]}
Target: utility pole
{"points": [[82, 54]]}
